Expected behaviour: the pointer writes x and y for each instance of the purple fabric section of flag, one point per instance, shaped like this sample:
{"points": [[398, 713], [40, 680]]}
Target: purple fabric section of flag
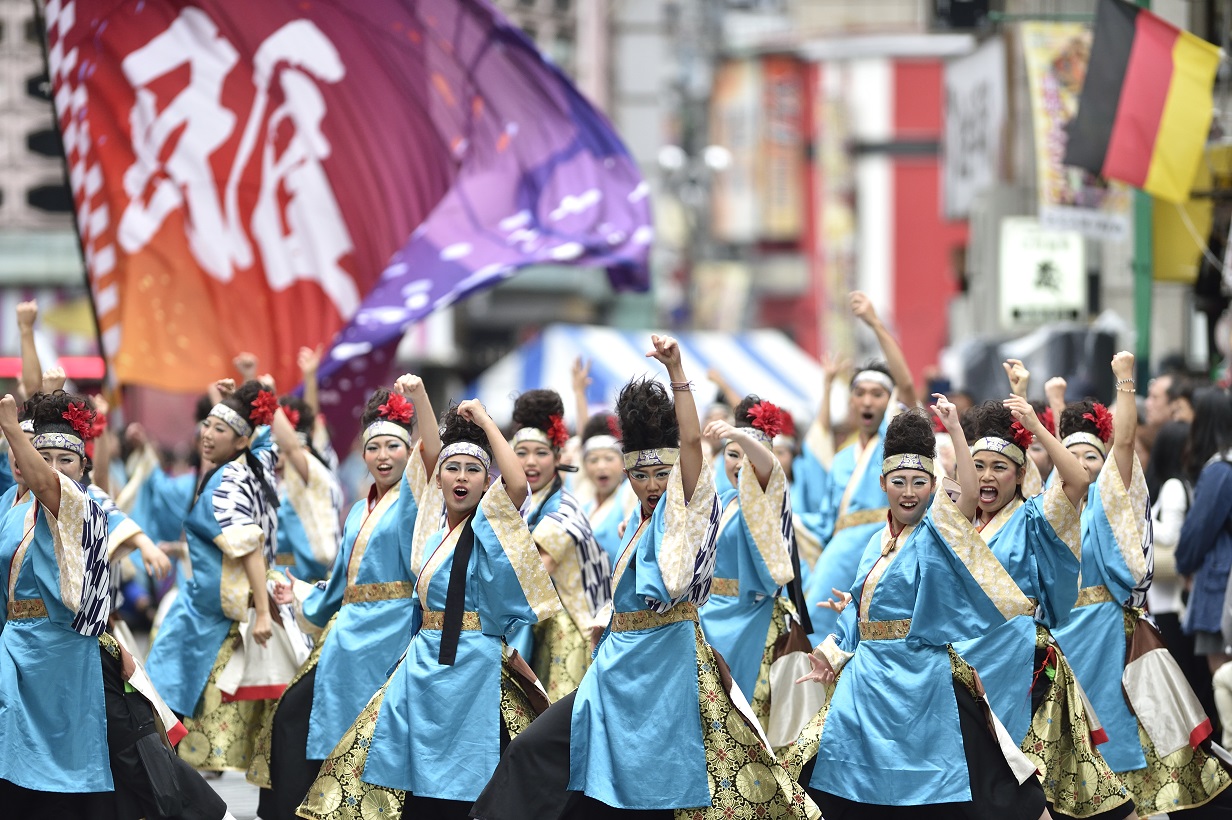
{"points": [[539, 177]]}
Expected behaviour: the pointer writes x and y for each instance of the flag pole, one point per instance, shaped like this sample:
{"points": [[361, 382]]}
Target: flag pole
{"points": [[1143, 275]]}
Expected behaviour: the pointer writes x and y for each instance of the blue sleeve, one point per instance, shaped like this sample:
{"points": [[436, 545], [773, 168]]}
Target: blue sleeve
{"points": [[1057, 565], [1207, 518], [511, 588], [323, 604]]}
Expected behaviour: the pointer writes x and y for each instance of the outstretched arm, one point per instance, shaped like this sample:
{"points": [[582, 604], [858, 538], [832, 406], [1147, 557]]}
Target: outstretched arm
{"points": [[309, 360], [1125, 421], [288, 443], [1071, 472], [969, 500], [1018, 376], [507, 462], [759, 455], [667, 351], [412, 388], [581, 380], [31, 370], [39, 476], [904, 385]]}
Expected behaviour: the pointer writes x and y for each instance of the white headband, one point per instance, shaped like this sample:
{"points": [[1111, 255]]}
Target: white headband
{"points": [[531, 434], [658, 457], [384, 427], [876, 377], [465, 448], [27, 426], [907, 461], [1085, 438], [1008, 449], [232, 419], [600, 443], [60, 441]]}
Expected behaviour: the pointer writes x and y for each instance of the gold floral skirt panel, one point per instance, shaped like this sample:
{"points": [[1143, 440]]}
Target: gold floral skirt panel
{"points": [[760, 697], [221, 735], [746, 781], [340, 794], [258, 767], [1182, 780], [1076, 779], [561, 657]]}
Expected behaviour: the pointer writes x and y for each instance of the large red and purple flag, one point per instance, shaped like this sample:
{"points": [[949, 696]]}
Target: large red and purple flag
{"points": [[261, 176]]}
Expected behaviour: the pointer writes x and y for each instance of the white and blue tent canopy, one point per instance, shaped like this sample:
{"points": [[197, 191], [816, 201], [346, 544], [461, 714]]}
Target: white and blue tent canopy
{"points": [[764, 362]]}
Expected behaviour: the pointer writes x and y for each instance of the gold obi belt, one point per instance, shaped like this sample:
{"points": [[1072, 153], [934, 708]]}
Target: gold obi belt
{"points": [[885, 630], [855, 519], [434, 619], [388, 591], [30, 608], [1095, 595], [284, 559], [646, 619]]}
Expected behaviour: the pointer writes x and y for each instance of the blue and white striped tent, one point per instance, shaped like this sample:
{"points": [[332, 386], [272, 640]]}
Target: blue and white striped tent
{"points": [[764, 362]]}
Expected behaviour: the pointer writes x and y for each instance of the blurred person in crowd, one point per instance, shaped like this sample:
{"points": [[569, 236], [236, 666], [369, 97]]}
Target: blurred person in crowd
{"points": [[1204, 551]]}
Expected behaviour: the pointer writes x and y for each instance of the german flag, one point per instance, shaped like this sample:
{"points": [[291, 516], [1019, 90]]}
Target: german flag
{"points": [[1146, 105]]}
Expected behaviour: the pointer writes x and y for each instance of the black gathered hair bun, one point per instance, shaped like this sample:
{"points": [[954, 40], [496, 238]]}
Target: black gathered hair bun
{"points": [[992, 418], [244, 398], [455, 428], [600, 424], [911, 432], [47, 411], [372, 411], [741, 413], [647, 416], [1073, 420], [535, 408]]}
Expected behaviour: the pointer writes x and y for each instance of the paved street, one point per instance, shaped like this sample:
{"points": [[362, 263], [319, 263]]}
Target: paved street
{"points": [[241, 796]]}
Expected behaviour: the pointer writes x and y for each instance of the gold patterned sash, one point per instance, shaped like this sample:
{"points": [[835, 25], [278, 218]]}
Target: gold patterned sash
{"points": [[367, 593], [855, 519], [1095, 595], [646, 619], [1029, 608], [725, 586], [30, 608], [435, 619], [885, 630]]}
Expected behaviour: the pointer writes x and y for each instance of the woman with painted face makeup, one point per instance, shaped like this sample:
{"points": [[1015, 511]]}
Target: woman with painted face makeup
{"points": [[230, 531], [363, 614], [1156, 728], [745, 616], [428, 741], [926, 580], [609, 499], [56, 606], [652, 728], [309, 495], [1030, 684], [579, 567], [856, 497]]}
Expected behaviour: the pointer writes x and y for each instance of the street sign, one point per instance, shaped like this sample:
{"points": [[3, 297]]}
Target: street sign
{"points": [[1043, 274]]}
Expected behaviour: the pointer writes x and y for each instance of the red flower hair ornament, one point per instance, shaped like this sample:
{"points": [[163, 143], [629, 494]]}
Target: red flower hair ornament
{"points": [[557, 433], [767, 417], [292, 415], [1103, 422], [1021, 435], [613, 427], [789, 424], [1050, 423], [81, 419], [397, 408], [263, 407]]}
